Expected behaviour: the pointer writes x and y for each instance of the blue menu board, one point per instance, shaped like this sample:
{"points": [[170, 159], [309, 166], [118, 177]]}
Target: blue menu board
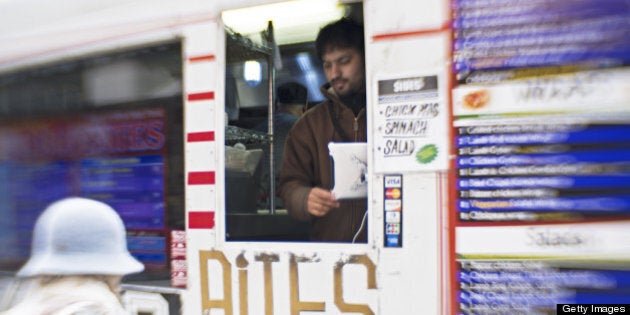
{"points": [[503, 39], [535, 287], [134, 186], [541, 202], [29, 188], [117, 157], [543, 172]]}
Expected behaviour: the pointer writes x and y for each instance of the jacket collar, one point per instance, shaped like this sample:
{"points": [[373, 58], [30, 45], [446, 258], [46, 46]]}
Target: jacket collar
{"points": [[330, 94]]}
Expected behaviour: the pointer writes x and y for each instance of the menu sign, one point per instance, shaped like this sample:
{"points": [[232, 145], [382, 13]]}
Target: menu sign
{"points": [[410, 125], [530, 269], [499, 40], [542, 172], [117, 157], [542, 167], [535, 286], [134, 186]]}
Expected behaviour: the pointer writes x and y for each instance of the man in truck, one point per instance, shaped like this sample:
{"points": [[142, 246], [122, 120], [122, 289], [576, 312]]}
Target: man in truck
{"points": [[305, 176]]}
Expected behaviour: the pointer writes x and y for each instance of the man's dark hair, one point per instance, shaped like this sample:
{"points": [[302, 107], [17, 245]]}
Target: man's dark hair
{"points": [[344, 33]]}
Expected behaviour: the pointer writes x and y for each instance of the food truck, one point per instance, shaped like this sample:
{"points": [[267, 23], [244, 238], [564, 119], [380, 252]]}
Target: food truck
{"points": [[497, 166]]}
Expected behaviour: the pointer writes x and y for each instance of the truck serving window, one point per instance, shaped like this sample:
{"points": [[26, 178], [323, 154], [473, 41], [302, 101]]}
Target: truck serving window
{"points": [[260, 57]]}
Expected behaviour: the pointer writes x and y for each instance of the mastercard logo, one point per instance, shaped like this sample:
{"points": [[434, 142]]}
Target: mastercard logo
{"points": [[393, 193]]}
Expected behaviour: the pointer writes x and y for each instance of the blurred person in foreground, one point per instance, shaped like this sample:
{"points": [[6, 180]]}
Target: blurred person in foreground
{"points": [[291, 103], [78, 258], [305, 177]]}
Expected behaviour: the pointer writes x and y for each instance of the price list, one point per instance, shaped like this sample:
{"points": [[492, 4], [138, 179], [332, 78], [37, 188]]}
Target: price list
{"points": [[117, 157], [535, 287], [542, 155], [543, 172], [134, 186], [26, 190], [496, 40]]}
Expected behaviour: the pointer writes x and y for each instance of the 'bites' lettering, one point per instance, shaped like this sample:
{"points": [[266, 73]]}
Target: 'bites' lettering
{"points": [[296, 305]]}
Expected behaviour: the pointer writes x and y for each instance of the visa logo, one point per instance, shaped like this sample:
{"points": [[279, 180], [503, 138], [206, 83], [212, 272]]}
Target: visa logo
{"points": [[393, 181]]}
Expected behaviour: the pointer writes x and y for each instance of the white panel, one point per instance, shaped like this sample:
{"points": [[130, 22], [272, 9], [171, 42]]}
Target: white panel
{"points": [[201, 156], [316, 264], [200, 197], [200, 239], [215, 272], [355, 283], [74, 28], [385, 16], [200, 39], [587, 91], [195, 240], [418, 53], [411, 122], [201, 76], [414, 267], [315, 280], [410, 40], [583, 240], [376, 221], [199, 116]]}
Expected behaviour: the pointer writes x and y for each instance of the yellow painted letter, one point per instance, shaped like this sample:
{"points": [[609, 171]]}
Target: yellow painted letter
{"points": [[206, 302], [371, 283]]}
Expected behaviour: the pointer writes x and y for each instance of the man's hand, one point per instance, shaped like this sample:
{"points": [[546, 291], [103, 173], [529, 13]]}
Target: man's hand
{"points": [[320, 201]]}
